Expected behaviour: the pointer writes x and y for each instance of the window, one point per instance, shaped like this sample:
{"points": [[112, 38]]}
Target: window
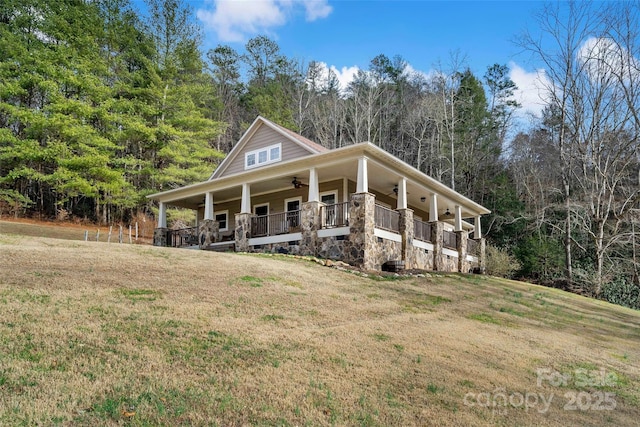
{"points": [[263, 156], [274, 152], [329, 198], [222, 218]]}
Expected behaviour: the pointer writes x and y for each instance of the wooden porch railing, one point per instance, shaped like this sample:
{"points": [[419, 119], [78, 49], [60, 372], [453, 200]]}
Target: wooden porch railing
{"points": [[387, 219], [421, 230], [182, 237], [449, 239], [336, 215], [274, 224], [472, 247]]}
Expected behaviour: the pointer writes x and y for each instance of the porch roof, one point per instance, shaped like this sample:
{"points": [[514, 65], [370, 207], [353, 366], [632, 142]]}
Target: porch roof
{"points": [[384, 172]]}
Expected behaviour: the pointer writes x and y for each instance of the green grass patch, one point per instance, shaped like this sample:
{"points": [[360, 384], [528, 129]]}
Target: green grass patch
{"points": [[254, 282], [433, 388], [511, 310], [381, 337], [140, 294], [272, 317], [484, 318]]}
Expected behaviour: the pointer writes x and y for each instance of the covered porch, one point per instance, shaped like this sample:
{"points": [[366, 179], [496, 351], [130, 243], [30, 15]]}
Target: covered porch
{"points": [[350, 204]]}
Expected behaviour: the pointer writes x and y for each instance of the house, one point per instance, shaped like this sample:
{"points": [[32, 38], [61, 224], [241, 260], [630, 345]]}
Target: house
{"points": [[277, 191]]}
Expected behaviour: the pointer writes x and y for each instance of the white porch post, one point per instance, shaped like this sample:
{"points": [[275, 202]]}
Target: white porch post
{"points": [[345, 190], [162, 215], [245, 205], [402, 193], [208, 205], [363, 176], [458, 219], [433, 208], [477, 232], [314, 191]]}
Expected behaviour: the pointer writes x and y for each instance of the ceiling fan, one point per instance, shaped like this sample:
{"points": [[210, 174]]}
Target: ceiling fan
{"points": [[395, 190], [298, 184]]}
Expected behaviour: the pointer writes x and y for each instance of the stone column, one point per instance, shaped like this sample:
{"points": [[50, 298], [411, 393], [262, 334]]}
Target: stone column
{"points": [[436, 238], [208, 232], [243, 231], [311, 223], [482, 255], [463, 265], [160, 236], [359, 249], [406, 231]]}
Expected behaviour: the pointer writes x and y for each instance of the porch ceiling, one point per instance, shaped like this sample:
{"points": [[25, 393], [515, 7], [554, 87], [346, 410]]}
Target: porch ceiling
{"points": [[383, 175]]}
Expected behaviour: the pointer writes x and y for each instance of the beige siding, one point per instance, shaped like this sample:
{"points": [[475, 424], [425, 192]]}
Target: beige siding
{"points": [[233, 207], [265, 137], [275, 200]]}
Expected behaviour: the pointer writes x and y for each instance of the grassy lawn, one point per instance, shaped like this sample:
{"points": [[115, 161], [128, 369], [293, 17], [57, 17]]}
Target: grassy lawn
{"points": [[105, 334]]}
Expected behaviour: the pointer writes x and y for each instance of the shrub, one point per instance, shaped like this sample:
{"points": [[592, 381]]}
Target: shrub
{"points": [[500, 262], [620, 291]]}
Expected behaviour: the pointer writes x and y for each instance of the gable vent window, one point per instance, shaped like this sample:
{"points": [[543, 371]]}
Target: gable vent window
{"points": [[263, 156]]}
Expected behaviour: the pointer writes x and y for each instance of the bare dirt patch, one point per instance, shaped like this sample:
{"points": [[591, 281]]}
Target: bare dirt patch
{"points": [[94, 333]]}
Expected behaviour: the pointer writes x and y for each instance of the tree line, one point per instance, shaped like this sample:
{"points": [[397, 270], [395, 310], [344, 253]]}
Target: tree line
{"points": [[100, 106]]}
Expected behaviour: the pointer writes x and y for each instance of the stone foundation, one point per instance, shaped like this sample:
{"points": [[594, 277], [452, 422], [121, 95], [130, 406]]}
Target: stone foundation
{"points": [[385, 250], [289, 248], [406, 231], [361, 248], [309, 226], [243, 231], [332, 248], [160, 237], [361, 238], [464, 266], [208, 233], [422, 259]]}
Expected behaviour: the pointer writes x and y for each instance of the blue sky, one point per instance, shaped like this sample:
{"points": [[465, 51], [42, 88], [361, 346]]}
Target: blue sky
{"points": [[347, 34], [421, 31]]}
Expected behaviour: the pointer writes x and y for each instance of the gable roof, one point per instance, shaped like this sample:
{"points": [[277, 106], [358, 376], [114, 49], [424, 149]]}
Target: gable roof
{"points": [[306, 144]]}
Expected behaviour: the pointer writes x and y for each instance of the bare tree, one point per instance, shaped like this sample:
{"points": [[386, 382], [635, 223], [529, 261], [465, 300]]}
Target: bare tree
{"points": [[592, 91]]}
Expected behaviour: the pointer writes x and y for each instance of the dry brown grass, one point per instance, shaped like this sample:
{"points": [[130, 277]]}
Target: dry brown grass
{"points": [[123, 334], [73, 231]]}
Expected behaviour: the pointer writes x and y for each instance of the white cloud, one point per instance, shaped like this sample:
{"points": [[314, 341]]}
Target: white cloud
{"points": [[345, 75], [317, 9], [237, 20], [410, 71], [604, 58], [532, 88]]}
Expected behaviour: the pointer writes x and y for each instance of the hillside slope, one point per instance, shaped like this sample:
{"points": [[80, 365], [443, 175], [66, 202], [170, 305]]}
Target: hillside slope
{"points": [[95, 333]]}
